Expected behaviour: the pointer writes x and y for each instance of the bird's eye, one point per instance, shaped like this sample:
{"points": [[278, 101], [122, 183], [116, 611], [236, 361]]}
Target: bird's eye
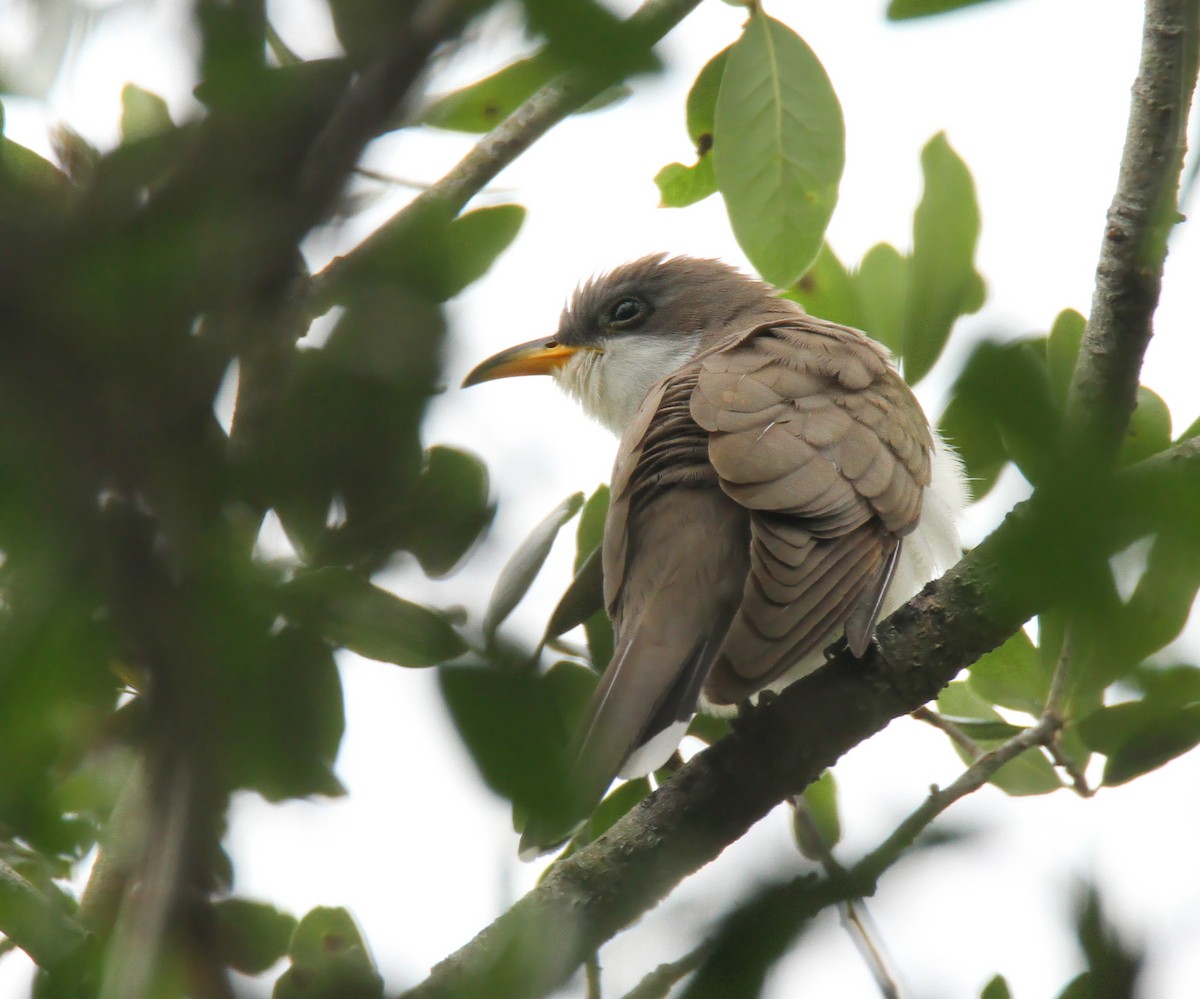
{"points": [[627, 311]]}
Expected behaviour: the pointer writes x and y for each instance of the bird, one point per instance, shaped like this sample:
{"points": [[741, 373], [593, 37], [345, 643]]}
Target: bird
{"points": [[777, 486]]}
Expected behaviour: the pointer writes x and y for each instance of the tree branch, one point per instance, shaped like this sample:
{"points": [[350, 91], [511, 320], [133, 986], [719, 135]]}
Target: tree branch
{"points": [[35, 924], [586, 898], [546, 108], [1143, 210]]}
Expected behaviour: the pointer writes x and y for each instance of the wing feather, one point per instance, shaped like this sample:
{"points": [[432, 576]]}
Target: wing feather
{"points": [[832, 468]]}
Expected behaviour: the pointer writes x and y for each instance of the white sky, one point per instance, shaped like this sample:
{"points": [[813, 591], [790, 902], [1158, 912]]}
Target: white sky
{"points": [[1034, 96]]}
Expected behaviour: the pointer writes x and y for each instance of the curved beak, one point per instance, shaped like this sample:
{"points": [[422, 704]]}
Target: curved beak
{"points": [[538, 357]]}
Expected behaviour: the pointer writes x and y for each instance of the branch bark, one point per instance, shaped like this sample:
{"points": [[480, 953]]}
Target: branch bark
{"points": [[1134, 247]]}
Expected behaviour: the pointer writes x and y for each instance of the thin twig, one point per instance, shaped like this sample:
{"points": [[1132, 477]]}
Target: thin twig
{"points": [[973, 778], [660, 981], [1055, 701], [855, 918], [1068, 766], [956, 734], [591, 974], [544, 109]]}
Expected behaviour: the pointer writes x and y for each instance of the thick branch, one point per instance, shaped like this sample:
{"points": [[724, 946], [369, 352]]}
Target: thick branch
{"points": [[1143, 210], [588, 897]]}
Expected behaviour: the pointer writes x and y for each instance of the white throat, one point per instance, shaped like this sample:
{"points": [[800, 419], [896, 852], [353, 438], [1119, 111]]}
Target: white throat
{"points": [[610, 385]]}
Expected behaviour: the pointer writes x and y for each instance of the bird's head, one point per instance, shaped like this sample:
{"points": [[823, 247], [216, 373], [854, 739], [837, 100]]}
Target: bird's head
{"points": [[623, 331]]}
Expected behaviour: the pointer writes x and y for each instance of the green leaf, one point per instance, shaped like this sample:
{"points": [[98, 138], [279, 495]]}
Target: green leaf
{"points": [[329, 958], [481, 106], [680, 186], [985, 731], [1062, 350], [30, 184], [430, 253], [778, 148], [820, 802], [351, 612], [977, 441], [584, 597], [997, 988], [1140, 736], [708, 728], [450, 505], [590, 532], [526, 562], [586, 35], [1149, 430], [828, 290], [472, 243], [143, 114], [702, 100], [516, 727], [1012, 676], [881, 282], [284, 720], [1007, 387], [1162, 601], [943, 283], [900, 10], [251, 936]]}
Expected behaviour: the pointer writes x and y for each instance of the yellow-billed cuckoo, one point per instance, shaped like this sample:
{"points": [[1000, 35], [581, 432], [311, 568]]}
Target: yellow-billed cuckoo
{"points": [[776, 484]]}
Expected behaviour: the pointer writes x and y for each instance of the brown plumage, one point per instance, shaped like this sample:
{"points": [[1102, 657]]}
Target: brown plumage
{"points": [[761, 495]]}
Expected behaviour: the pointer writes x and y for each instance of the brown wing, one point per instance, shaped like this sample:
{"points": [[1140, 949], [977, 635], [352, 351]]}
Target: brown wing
{"points": [[816, 435], [676, 553]]}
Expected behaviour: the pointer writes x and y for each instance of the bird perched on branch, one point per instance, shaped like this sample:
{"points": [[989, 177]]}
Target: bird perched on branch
{"points": [[776, 486]]}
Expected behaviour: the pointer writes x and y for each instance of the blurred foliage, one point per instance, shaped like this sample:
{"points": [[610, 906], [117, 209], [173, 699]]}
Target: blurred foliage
{"points": [[153, 659]]}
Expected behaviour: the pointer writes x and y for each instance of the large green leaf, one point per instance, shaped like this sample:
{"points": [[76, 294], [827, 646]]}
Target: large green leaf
{"points": [[900, 10], [329, 958], [778, 148], [977, 441], [680, 186], [997, 988], [515, 725], [282, 720], [526, 562], [251, 936], [1149, 430], [1012, 676], [1062, 349], [450, 505], [943, 283], [828, 290], [481, 106], [820, 801], [1140, 736], [142, 113], [432, 254], [1004, 391], [355, 614], [881, 281]]}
